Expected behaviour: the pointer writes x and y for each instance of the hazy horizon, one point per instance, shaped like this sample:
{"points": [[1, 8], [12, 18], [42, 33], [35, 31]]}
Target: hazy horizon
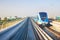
{"points": [[29, 7]]}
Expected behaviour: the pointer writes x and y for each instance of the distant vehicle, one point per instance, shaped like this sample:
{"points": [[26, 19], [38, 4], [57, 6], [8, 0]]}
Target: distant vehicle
{"points": [[42, 18]]}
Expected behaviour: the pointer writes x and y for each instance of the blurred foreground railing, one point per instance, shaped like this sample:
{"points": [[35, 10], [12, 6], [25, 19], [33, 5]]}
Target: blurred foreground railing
{"points": [[43, 35]]}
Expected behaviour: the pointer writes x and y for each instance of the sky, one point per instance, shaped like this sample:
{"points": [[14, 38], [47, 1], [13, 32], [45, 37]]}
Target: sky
{"points": [[29, 7]]}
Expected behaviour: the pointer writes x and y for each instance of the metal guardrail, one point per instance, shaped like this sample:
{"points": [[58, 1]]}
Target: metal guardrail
{"points": [[41, 33]]}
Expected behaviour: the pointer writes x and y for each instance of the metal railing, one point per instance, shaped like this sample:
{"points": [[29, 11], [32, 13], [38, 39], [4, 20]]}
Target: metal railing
{"points": [[43, 35]]}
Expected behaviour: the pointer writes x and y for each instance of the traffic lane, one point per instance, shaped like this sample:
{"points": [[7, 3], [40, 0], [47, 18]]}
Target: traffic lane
{"points": [[5, 35]]}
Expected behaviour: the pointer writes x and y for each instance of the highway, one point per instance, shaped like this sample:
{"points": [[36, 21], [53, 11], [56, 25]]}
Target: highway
{"points": [[27, 30]]}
